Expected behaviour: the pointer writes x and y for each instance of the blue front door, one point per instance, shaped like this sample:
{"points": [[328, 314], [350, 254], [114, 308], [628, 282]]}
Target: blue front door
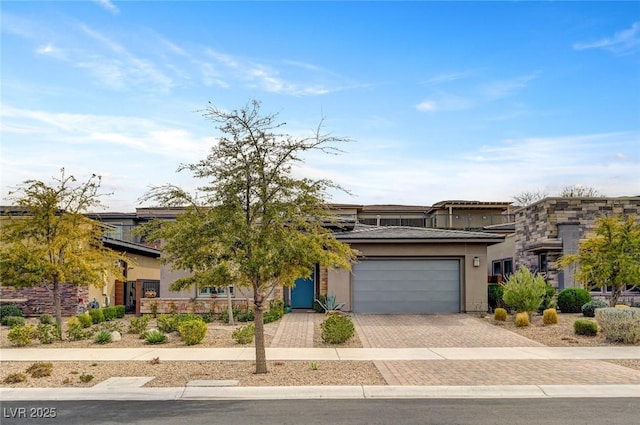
{"points": [[302, 293]]}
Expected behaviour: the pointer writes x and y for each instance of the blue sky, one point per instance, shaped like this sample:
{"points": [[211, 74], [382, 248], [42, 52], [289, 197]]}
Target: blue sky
{"points": [[444, 100]]}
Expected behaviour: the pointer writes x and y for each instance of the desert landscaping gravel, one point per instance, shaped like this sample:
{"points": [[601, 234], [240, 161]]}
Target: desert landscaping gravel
{"points": [[281, 373]]}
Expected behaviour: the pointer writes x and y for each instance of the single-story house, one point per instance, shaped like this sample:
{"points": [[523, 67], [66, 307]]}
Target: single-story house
{"points": [[400, 270]]}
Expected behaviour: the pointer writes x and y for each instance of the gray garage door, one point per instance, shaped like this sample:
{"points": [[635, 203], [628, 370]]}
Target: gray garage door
{"points": [[406, 286]]}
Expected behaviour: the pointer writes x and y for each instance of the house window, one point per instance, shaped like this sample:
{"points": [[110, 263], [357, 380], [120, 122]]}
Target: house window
{"points": [[543, 263], [503, 267], [210, 290], [497, 268], [115, 232]]}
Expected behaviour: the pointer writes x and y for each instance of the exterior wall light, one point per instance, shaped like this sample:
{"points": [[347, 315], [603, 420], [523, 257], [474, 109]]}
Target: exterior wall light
{"points": [[476, 261]]}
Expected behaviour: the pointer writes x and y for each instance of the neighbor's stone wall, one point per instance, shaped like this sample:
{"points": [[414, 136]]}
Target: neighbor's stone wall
{"points": [[38, 300], [539, 222]]}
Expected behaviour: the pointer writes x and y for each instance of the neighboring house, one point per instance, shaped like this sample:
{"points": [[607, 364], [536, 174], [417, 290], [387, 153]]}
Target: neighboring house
{"points": [[460, 215], [552, 227], [141, 264], [469, 215]]}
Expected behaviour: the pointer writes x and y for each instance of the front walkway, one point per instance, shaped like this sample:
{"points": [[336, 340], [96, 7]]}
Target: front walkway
{"points": [[296, 330]]}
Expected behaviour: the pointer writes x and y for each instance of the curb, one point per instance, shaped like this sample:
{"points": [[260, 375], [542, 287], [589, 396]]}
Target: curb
{"points": [[323, 392]]}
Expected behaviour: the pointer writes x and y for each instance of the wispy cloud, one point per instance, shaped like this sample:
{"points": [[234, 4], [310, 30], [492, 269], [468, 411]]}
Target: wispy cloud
{"points": [[445, 102], [139, 134], [480, 94], [621, 42], [271, 77], [607, 161], [108, 5], [504, 88], [449, 77]]}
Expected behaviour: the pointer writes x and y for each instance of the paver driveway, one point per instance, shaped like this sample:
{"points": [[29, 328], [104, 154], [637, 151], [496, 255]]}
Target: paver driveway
{"points": [[461, 330], [433, 330]]}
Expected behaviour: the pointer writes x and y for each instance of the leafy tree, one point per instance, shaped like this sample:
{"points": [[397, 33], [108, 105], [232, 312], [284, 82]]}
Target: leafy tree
{"points": [[524, 291], [609, 257], [254, 224], [50, 241]]}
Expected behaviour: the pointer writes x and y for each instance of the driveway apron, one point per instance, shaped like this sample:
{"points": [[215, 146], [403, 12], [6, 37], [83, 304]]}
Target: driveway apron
{"points": [[465, 331]]}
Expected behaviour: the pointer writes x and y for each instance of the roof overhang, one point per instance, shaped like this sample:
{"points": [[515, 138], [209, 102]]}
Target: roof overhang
{"points": [[130, 247], [546, 245]]}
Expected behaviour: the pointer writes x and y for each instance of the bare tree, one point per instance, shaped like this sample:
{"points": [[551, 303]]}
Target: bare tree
{"points": [[524, 199]]}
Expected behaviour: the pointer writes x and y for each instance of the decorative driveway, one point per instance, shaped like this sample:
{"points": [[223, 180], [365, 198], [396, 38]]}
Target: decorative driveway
{"points": [[465, 331], [433, 330]]}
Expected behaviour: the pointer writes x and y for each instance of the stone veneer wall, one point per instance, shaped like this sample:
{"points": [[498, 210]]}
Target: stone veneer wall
{"points": [[38, 300], [191, 305], [539, 222]]}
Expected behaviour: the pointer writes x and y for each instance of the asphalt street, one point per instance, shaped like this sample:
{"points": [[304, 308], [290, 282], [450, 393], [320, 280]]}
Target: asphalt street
{"points": [[572, 411]]}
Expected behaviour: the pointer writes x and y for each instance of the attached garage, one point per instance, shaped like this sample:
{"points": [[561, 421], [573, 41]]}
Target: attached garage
{"points": [[413, 270], [406, 286]]}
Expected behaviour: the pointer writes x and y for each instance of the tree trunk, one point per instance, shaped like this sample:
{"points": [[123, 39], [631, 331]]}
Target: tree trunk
{"points": [[616, 291], [230, 307], [261, 355], [56, 304]]}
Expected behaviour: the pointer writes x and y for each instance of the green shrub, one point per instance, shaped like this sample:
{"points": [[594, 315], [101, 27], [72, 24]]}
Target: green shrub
{"points": [[192, 331], [40, 369], [48, 333], [102, 337], [8, 310], [14, 378], [47, 319], [167, 323], [154, 337], [112, 326], [245, 316], [13, 321], [137, 325], [550, 316], [319, 302], [523, 291], [20, 335], [85, 377], [207, 317], [97, 315], [244, 334], [494, 293], [272, 316], [571, 300], [109, 313], [589, 309], [337, 329], [522, 319], [85, 320], [500, 314], [76, 330], [120, 311], [277, 306], [224, 314], [585, 327], [548, 299], [620, 325]]}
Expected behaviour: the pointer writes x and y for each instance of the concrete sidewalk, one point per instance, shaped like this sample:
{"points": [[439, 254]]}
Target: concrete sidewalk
{"points": [[310, 354], [320, 392]]}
